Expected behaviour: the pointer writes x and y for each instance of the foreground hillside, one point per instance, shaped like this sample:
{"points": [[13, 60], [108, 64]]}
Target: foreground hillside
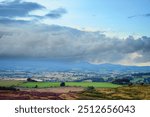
{"points": [[121, 93], [79, 93]]}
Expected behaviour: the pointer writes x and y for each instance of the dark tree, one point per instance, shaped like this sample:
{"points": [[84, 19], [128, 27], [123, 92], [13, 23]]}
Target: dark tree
{"points": [[142, 84], [29, 79], [62, 84]]}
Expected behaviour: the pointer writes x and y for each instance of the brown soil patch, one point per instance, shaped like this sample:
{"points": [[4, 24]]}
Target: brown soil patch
{"points": [[61, 93]]}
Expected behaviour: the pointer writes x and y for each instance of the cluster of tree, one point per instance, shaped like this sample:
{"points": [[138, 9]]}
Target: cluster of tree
{"points": [[129, 82], [122, 81], [9, 88], [93, 79], [31, 80]]}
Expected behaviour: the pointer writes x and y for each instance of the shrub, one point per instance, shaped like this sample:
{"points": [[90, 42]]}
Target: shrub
{"points": [[36, 86], [90, 88], [130, 84]]}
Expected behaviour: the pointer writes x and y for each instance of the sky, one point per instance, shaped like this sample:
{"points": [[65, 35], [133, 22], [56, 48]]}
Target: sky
{"points": [[95, 31]]}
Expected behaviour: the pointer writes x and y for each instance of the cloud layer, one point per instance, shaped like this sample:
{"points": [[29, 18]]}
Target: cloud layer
{"points": [[64, 43]]}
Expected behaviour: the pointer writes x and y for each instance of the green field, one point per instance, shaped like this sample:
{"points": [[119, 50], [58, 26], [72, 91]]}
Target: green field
{"points": [[94, 84], [71, 84], [40, 84], [10, 83], [15, 83]]}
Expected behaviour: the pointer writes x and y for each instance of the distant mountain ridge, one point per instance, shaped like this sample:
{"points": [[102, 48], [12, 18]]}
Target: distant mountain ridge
{"points": [[40, 65]]}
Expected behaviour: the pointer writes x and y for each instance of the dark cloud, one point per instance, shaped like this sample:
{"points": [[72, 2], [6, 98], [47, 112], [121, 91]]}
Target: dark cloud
{"points": [[57, 13], [17, 8], [64, 43], [143, 15]]}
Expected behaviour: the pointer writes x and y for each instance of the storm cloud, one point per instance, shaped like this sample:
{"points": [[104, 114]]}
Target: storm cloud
{"points": [[64, 43]]}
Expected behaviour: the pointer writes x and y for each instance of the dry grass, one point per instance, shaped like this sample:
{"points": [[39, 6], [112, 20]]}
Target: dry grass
{"points": [[121, 93]]}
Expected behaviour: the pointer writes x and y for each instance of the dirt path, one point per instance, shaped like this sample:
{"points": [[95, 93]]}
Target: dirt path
{"points": [[56, 90]]}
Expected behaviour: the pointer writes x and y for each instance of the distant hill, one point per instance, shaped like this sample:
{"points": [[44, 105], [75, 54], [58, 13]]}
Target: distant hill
{"points": [[46, 65]]}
